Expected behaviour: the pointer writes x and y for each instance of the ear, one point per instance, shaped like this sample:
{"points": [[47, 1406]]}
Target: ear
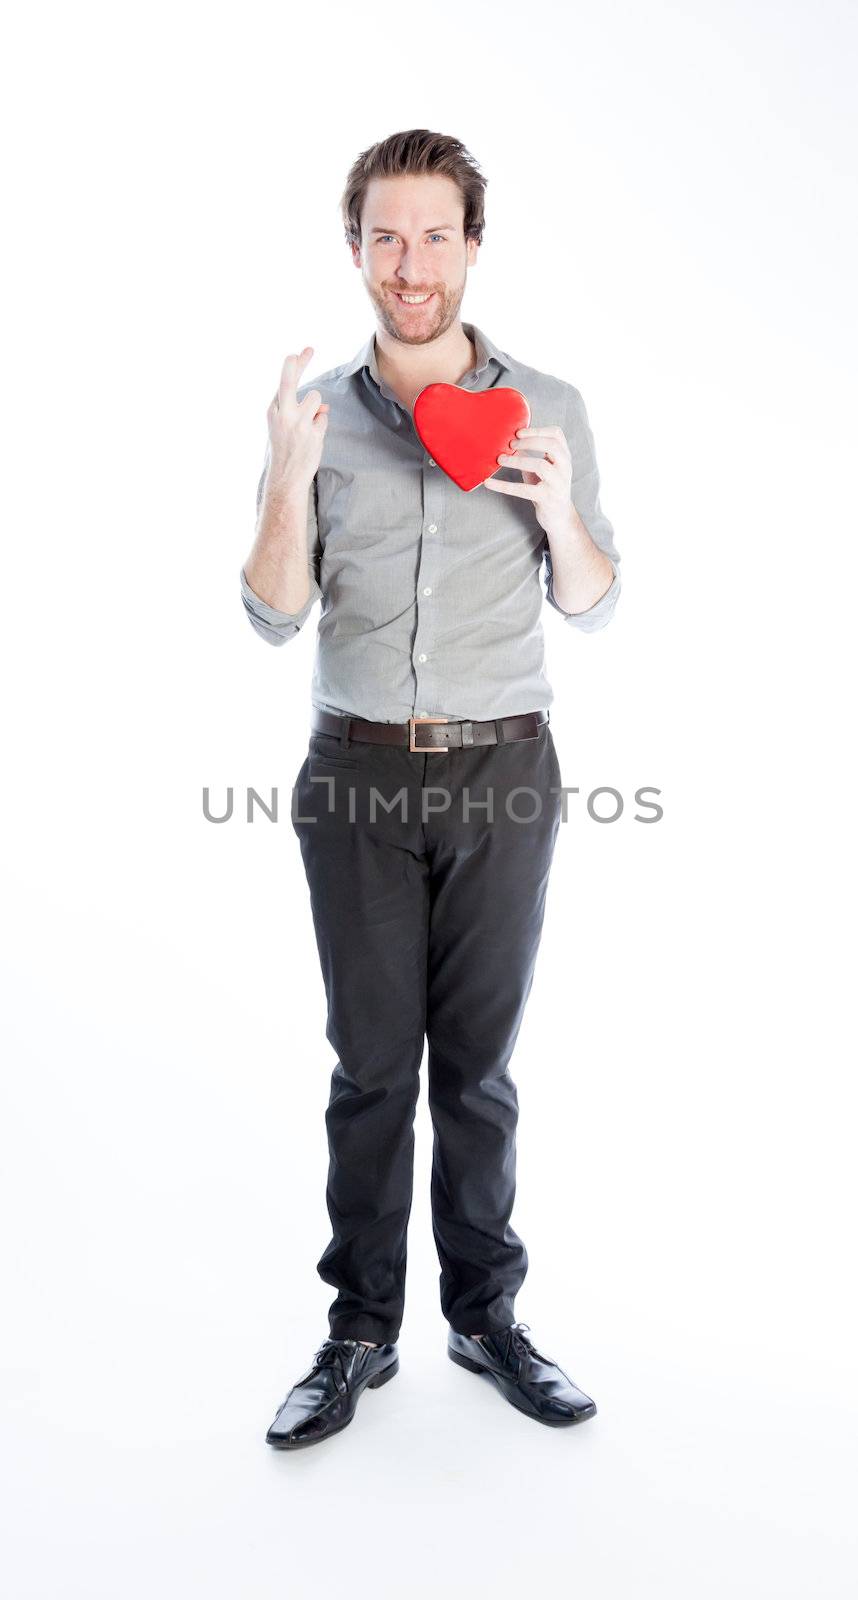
{"points": [[355, 250], [473, 252]]}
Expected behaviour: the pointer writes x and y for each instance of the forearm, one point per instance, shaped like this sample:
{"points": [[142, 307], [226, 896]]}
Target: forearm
{"points": [[582, 572], [277, 568]]}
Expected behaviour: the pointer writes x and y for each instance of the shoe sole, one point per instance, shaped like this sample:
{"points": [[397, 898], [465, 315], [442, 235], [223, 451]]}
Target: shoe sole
{"points": [[376, 1382], [486, 1372]]}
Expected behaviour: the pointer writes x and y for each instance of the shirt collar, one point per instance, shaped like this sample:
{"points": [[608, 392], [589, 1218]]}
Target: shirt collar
{"points": [[486, 352]]}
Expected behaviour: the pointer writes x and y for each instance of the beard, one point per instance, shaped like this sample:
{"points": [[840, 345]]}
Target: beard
{"points": [[417, 327]]}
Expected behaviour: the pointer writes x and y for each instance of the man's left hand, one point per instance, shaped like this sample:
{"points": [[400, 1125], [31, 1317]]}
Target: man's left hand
{"points": [[542, 457]]}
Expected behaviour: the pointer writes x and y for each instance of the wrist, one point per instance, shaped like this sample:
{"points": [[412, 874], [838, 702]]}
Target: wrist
{"points": [[287, 488], [570, 530]]}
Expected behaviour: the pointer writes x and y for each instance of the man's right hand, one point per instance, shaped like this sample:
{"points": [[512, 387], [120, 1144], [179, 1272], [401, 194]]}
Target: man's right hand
{"points": [[296, 430]]}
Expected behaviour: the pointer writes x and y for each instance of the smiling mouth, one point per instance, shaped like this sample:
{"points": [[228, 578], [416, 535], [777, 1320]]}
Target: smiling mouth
{"points": [[413, 300]]}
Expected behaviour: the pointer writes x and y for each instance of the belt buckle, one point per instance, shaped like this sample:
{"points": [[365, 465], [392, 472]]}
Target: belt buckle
{"points": [[428, 749]]}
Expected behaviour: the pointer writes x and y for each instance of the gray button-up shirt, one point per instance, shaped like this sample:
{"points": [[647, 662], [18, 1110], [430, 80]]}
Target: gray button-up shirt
{"points": [[430, 595]]}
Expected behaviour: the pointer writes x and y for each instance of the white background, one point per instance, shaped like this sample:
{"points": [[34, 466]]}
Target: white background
{"points": [[670, 227]]}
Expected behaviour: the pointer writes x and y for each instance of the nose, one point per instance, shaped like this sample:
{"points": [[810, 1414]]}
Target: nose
{"points": [[415, 273]]}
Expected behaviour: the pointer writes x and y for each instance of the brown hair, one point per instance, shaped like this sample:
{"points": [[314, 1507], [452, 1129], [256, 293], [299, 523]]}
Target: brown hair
{"points": [[416, 151]]}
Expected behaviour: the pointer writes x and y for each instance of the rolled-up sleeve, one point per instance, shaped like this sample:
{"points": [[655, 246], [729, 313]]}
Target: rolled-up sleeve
{"points": [[585, 497], [276, 627]]}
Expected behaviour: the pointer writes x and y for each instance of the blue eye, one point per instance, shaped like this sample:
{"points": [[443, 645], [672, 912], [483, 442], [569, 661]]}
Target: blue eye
{"points": [[384, 236]]}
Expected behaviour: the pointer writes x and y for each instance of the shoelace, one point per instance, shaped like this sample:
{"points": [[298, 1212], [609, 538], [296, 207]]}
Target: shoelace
{"points": [[333, 1352], [524, 1347]]}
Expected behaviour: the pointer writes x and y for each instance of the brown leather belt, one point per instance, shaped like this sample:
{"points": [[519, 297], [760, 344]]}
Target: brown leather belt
{"points": [[430, 733]]}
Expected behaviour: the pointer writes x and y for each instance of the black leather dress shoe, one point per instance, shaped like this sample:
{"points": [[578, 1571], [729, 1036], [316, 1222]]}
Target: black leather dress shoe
{"points": [[530, 1380], [324, 1400]]}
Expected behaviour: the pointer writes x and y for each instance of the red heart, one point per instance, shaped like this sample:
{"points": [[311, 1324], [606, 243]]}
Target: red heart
{"points": [[465, 432]]}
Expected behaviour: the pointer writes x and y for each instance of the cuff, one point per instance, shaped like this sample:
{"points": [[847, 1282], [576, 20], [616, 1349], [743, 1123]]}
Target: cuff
{"points": [[598, 614], [273, 625]]}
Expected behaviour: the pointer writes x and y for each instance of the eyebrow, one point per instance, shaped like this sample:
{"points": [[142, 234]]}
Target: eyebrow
{"points": [[437, 227]]}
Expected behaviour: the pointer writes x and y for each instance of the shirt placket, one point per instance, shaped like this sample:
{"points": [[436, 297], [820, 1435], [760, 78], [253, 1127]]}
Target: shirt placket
{"points": [[426, 701], [429, 577]]}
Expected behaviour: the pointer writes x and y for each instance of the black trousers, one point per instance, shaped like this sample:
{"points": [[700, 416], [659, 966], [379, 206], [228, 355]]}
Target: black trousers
{"points": [[428, 918]]}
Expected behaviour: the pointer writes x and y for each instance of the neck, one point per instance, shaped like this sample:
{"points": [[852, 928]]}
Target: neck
{"points": [[411, 366]]}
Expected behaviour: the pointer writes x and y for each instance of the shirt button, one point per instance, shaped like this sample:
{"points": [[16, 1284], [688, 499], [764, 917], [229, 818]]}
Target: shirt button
{"points": [[427, 591], [421, 658], [421, 713], [431, 462], [432, 528]]}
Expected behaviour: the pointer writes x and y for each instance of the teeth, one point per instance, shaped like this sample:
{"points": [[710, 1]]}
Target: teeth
{"points": [[414, 299]]}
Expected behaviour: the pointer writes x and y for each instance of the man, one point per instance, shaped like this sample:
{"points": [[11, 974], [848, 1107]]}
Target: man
{"points": [[427, 871]]}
